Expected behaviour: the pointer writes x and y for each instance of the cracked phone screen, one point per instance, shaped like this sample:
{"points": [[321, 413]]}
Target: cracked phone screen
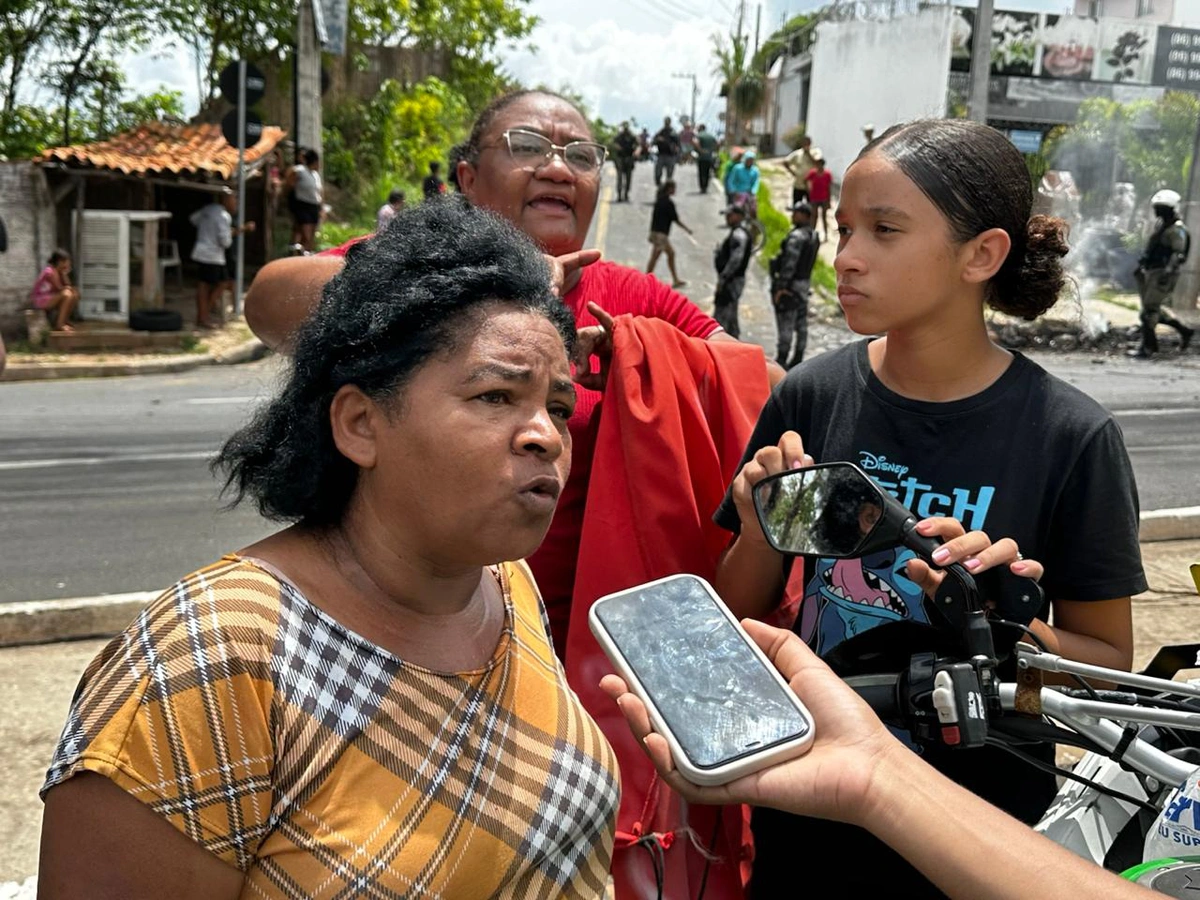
{"points": [[714, 693]]}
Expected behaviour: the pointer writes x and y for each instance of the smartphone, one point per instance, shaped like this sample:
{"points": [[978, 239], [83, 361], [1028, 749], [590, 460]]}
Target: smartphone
{"points": [[723, 708]]}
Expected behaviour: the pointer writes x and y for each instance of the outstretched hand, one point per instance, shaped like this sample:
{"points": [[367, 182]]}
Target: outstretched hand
{"points": [[565, 270], [593, 340], [832, 781]]}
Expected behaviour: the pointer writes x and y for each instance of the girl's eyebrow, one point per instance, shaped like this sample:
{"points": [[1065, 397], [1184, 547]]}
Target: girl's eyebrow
{"points": [[887, 212]]}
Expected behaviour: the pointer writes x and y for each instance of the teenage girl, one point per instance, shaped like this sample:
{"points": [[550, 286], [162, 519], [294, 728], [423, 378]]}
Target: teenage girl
{"points": [[934, 224]]}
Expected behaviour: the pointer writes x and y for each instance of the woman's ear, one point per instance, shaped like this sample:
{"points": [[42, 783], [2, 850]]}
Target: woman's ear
{"points": [[984, 254], [466, 177], [354, 419]]}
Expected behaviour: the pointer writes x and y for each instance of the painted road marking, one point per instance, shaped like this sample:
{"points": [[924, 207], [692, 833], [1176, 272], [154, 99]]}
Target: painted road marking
{"points": [[104, 460]]}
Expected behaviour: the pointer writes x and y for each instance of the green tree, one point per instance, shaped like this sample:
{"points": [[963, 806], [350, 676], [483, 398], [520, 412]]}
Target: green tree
{"points": [[86, 37], [743, 86], [220, 31], [389, 141], [28, 130], [466, 32], [1148, 143], [25, 27], [795, 36]]}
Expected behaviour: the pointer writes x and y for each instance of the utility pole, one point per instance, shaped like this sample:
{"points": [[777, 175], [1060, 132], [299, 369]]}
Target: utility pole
{"points": [[695, 91], [981, 62], [1188, 288], [757, 23], [307, 131]]}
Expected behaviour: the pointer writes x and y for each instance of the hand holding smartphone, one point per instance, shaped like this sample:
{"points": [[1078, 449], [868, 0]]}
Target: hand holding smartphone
{"points": [[723, 708]]}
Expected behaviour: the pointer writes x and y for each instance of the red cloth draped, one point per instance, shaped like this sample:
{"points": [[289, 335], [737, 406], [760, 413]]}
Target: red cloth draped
{"points": [[676, 416]]}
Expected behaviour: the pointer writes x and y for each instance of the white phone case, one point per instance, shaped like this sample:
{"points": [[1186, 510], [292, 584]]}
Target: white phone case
{"points": [[725, 772]]}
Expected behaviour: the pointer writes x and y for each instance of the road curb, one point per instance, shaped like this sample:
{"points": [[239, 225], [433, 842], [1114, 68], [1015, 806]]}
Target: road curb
{"points": [[1181, 524], [47, 621], [247, 351]]}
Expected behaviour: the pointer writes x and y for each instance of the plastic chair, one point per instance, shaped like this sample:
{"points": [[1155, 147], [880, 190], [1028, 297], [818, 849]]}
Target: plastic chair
{"points": [[168, 257]]}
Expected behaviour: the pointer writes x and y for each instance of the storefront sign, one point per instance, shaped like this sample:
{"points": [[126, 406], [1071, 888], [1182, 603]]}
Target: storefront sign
{"points": [[1177, 62]]}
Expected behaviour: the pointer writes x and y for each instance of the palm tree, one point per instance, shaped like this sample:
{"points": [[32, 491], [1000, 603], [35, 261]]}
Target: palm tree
{"points": [[742, 86]]}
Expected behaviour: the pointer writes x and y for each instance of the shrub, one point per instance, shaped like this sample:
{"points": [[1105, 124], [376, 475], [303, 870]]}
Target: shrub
{"points": [[794, 135]]}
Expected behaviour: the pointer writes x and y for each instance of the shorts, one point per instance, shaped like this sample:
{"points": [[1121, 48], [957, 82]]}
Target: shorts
{"points": [[306, 213], [212, 273], [660, 241]]}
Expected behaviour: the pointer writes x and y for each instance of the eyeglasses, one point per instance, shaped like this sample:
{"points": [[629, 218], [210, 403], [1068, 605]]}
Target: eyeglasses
{"points": [[528, 148]]}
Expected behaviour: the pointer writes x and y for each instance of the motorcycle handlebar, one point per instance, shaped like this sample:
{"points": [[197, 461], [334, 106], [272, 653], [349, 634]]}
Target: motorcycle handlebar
{"points": [[881, 693], [1084, 717]]}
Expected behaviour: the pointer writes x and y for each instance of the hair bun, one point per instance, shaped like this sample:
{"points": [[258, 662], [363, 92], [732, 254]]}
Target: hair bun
{"points": [[1047, 234], [1032, 279]]}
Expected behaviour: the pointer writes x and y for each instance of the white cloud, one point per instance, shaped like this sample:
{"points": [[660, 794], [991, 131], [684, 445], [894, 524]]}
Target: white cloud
{"points": [[623, 71], [172, 68]]}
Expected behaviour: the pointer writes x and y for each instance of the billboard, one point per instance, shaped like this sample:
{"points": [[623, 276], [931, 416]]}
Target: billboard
{"points": [[1127, 51], [1068, 45], [1079, 48], [1177, 64]]}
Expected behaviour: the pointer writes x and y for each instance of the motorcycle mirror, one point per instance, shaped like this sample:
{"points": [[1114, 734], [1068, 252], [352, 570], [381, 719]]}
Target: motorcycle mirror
{"points": [[833, 510]]}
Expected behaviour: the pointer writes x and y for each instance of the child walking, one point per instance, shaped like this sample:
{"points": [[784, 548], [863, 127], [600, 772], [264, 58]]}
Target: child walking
{"points": [[661, 219]]}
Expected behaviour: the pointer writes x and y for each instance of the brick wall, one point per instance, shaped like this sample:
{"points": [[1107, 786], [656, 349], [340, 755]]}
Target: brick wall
{"points": [[29, 217]]}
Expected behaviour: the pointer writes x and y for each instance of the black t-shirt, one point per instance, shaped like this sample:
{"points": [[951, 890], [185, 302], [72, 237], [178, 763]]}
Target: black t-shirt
{"points": [[664, 214], [432, 186], [1029, 457], [625, 143], [666, 142]]}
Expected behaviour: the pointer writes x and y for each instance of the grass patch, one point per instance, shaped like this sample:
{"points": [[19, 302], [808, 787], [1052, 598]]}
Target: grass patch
{"points": [[189, 343], [776, 225]]}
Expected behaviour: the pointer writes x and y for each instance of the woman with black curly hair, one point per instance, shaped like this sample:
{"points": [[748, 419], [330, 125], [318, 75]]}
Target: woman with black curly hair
{"points": [[530, 157], [367, 702], [934, 225]]}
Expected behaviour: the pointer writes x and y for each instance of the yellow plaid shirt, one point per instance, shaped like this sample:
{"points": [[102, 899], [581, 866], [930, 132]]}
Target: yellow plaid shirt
{"points": [[323, 766]]}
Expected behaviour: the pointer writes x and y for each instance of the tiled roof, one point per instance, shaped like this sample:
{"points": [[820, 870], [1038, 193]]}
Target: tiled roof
{"points": [[156, 148]]}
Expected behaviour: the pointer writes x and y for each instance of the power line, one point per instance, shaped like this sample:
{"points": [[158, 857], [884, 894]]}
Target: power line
{"points": [[645, 7], [676, 15]]}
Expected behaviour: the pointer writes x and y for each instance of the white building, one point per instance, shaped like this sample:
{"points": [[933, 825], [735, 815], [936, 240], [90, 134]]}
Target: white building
{"points": [[1164, 12], [877, 68]]}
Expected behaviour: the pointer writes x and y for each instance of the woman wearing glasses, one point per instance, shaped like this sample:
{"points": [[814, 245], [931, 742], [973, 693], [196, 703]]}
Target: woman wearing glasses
{"points": [[530, 157]]}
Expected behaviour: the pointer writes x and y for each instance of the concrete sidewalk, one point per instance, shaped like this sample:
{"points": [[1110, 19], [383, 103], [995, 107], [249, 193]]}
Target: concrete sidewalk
{"points": [[37, 682], [25, 368]]}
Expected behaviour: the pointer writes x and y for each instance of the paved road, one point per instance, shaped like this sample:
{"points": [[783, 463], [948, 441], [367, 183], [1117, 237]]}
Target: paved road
{"points": [[104, 485], [1158, 406]]}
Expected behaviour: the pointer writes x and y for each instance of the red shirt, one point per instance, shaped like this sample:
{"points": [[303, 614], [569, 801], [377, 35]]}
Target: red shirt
{"points": [[342, 250], [618, 290], [819, 182]]}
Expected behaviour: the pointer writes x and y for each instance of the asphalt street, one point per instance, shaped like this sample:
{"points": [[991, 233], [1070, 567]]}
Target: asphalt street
{"points": [[105, 486], [104, 483]]}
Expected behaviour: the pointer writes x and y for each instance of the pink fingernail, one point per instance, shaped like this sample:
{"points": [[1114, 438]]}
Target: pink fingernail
{"points": [[972, 564], [1019, 567], [797, 464], [941, 555]]}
